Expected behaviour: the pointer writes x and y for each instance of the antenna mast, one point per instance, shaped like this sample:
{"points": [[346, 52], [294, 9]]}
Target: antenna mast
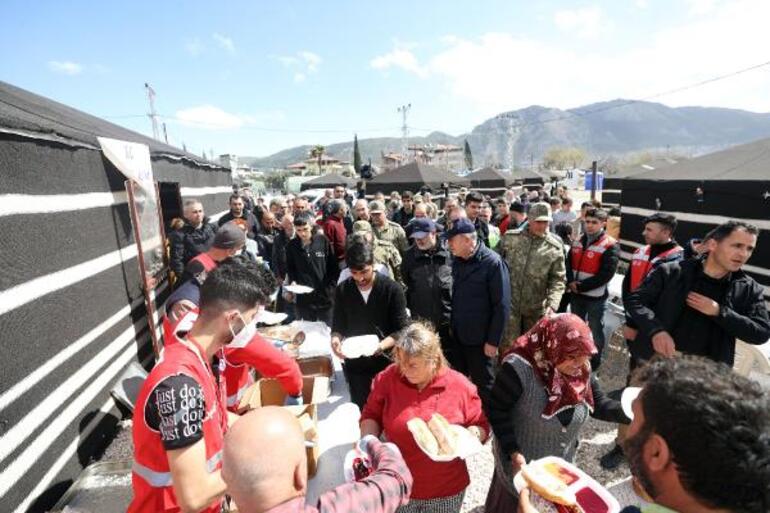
{"points": [[404, 110], [152, 114]]}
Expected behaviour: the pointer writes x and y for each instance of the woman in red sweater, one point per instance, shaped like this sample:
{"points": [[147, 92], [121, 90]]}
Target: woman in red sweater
{"points": [[420, 384]]}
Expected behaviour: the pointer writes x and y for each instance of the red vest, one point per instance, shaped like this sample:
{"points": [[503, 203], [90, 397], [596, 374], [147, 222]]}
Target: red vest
{"points": [[206, 261], [586, 263], [236, 374], [151, 476], [641, 264]]}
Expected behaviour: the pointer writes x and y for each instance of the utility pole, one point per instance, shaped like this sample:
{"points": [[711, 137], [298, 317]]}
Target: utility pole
{"points": [[165, 133], [152, 114], [404, 110], [593, 180]]}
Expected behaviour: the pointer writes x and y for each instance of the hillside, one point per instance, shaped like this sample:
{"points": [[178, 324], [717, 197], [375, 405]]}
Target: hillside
{"points": [[607, 128]]}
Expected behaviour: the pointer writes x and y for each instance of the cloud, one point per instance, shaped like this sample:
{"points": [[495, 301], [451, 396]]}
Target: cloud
{"points": [[213, 118], [224, 42], [208, 116], [700, 7], [303, 63], [400, 58], [194, 47], [501, 71], [587, 22], [642, 4], [65, 67]]}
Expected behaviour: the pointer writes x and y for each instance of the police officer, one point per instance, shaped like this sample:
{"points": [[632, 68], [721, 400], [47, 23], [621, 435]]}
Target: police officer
{"points": [[535, 259], [387, 230], [181, 416]]}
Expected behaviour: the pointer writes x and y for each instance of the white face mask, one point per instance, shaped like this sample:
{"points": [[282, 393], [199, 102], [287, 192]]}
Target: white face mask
{"points": [[243, 337]]}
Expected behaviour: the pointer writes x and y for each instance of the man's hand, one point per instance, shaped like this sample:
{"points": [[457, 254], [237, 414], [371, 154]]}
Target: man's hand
{"points": [[703, 304], [517, 461], [490, 350], [180, 308], [629, 333], [573, 286], [663, 344], [524, 505], [337, 347]]}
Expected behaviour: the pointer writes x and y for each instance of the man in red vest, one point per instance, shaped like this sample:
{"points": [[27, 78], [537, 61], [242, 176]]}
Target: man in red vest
{"points": [[180, 417], [594, 260], [660, 248], [228, 241]]}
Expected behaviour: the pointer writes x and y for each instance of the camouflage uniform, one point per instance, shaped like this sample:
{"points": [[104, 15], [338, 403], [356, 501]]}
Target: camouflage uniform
{"points": [[386, 254], [393, 233], [538, 278]]}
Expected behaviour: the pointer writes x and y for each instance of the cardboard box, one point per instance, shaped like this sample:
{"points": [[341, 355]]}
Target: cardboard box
{"points": [[317, 366], [268, 392]]}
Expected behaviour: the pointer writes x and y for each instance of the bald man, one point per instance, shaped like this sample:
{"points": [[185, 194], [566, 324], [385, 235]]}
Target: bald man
{"points": [[271, 476]]}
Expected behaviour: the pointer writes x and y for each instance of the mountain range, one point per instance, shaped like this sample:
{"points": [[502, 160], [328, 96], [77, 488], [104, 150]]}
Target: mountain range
{"points": [[613, 128]]}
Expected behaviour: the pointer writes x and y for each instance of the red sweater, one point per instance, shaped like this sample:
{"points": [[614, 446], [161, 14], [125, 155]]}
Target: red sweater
{"points": [[334, 229], [393, 401]]}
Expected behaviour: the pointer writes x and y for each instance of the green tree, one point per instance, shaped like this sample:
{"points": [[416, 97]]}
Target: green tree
{"points": [[356, 156], [317, 152], [468, 155]]}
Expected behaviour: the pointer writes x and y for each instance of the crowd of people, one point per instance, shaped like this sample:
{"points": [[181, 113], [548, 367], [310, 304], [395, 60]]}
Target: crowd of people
{"points": [[488, 311]]}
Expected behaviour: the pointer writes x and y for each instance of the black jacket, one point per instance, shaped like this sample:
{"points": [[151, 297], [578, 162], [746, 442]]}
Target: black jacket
{"points": [[251, 221], [659, 302], [189, 242], [265, 240], [278, 258], [314, 266], [482, 230], [428, 279], [402, 217]]}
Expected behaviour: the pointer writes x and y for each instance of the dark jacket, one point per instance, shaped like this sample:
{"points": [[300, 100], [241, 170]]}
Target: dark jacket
{"points": [[402, 217], [606, 272], [314, 266], [481, 298], [655, 250], [189, 242], [278, 258], [428, 279], [482, 230], [659, 302], [251, 222], [265, 240]]}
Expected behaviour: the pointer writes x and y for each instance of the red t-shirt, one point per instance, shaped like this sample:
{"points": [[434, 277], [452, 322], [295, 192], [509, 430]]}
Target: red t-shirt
{"points": [[393, 401]]}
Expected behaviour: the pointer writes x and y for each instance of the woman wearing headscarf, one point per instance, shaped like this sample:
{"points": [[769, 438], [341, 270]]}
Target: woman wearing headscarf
{"points": [[420, 384], [540, 399]]}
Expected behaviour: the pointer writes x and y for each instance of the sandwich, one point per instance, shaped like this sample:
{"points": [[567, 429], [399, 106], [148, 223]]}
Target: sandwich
{"points": [[549, 487], [436, 437]]}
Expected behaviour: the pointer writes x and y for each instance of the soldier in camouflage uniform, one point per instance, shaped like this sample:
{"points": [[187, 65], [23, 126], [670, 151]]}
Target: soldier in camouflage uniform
{"points": [[384, 252], [535, 259], [387, 230]]}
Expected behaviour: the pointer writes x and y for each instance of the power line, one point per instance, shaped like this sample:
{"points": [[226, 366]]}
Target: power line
{"points": [[569, 114]]}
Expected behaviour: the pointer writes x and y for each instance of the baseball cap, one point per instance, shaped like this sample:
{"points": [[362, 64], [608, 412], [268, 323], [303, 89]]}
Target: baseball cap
{"points": [[376, 207], [361, 227], [422, 227], [540, 211], [462, 225], [229, 236]]}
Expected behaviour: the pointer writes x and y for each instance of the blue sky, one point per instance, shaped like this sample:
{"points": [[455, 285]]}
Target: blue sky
{"points": [[253, 78]]}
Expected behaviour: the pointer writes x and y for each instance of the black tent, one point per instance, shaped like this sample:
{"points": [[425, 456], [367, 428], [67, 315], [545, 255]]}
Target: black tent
{"points": [[528, 178], [327, 181], [702, 193], [72, 311], [489, 180], [613, 184], [413, 176]]}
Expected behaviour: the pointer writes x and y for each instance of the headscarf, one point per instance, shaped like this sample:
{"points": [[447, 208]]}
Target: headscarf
{"points": [[553, 340]]}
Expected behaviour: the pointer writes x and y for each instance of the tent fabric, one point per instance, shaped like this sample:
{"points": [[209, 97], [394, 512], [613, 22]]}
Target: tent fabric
{"points": [[613, 184], [413, 176], [326, 181], [489, 178], [527, 177], [22, 110], [704, 192]]}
